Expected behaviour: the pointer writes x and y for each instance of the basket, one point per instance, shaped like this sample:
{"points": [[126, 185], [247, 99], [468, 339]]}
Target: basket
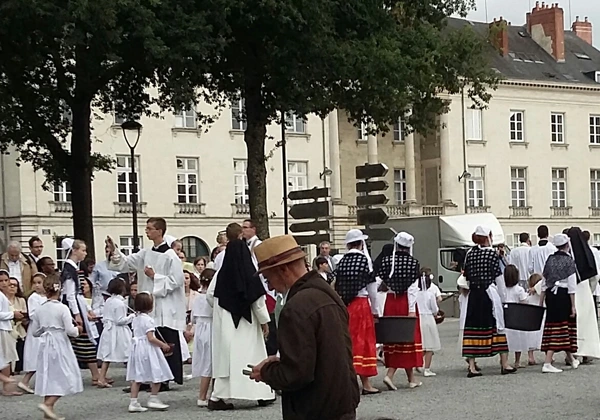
{"points": [[395, 329], [523, 317], [439, 318]]}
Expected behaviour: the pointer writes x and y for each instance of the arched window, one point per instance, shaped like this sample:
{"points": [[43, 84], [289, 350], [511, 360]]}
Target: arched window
{"points": [[194, 247]]}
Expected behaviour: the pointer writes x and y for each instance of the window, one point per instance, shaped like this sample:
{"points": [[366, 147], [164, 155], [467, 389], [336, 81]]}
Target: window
{"points": [[596, 238], [557, 123], [362, 132], [400, 186], [474, 127], [297, 176], [61, 253], [126, 244], [62, 192], [186, 118], [516, 126], [399, 129], [518, 187], [595, 129], [238, 108], [187, 180], [597, 77], [124, 178], [240, 180], [194, 248], [476, 184], [295, 123], [595, 188], [559, 188]]}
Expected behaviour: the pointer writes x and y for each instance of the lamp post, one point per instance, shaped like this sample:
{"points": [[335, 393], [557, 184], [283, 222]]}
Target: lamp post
{"points": [[132, 130], [285, 180]]}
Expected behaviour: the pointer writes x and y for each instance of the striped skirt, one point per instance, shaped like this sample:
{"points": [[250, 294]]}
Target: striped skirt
{"points": [[405, 355], [481, 337], [560, 329], [85, 351], [362, 333]]}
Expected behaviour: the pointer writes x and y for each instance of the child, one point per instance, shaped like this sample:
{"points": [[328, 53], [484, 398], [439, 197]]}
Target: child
{"points": [[202, 317], [517, 340], [147, 362], [133, 291], [428, 308], [535, 337], [57, 369], [32, 344], [115, 342]]}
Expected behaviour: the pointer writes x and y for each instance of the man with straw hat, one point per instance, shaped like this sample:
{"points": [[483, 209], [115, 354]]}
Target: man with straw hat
{"points": [[315, 371]]}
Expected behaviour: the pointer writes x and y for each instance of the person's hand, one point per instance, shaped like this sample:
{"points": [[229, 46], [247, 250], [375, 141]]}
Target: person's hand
{"points": [[188, 335], [256, 374], [413, 314], [165, 347], [78, 319], [18, 315], [573, 312], [91, 316], [80, 329], [265, 330], [109, 245], [149, 271], [376, 315]]}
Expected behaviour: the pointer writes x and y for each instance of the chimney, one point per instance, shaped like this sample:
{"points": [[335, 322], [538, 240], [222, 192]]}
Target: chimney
{"points": [[499, 36], [583, 29], [546, 24]]}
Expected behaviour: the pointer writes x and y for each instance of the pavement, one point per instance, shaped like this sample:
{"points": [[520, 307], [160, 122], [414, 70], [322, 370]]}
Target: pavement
{"points": [[528, 394]]}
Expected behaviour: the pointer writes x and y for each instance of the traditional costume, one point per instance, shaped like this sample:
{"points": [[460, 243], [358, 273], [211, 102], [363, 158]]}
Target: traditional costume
{"points": [[356, 285], [32, 344], [167, 287], [115, 342], [202, 315]]}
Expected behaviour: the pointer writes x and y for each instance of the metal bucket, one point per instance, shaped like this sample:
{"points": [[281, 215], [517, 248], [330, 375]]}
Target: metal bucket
{"points": [[395, 329], [523, 317]]}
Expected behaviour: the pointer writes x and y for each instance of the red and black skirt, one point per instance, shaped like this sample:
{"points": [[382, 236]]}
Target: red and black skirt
{"points": [[362, 333], [481, 337], [560, 329]]}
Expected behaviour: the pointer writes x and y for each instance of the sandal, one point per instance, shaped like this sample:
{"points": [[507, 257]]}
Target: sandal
{"points": [[103, 385], [11, 393]]}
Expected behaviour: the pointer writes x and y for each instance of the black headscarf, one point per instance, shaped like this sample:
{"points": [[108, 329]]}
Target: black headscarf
{"points": [[584, 258], [237, 287]]}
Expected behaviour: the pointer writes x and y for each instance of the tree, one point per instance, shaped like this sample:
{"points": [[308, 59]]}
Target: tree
{"points": [[59, 60], [375, 59]]}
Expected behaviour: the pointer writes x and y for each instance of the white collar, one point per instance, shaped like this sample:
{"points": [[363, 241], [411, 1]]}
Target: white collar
{"points": [[525, 244], [72, 263]]}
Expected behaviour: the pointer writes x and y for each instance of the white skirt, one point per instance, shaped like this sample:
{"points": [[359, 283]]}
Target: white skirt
{"points": [[429, 333], [115, 343], [57, 372], [8, 349], [185, 350], [31, 352], [147, 363], [202, 358]]}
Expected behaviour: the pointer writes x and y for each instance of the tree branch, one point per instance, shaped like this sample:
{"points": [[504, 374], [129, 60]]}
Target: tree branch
{"points": [[61, 79]]}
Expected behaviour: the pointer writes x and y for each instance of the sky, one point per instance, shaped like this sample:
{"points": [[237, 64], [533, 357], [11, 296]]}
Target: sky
{"points": [[514, 11]]}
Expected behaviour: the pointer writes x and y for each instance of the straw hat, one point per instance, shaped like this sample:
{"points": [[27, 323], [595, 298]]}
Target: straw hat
{"points": [[277, 251]]}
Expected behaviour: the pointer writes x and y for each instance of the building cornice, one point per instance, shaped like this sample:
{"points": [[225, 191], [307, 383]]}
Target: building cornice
{"points": [[548, 85]]}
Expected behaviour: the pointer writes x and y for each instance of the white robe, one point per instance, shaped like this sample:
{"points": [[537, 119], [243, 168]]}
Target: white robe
{"points": [[233, 349], [115, 342], [167, 286], [32, 344], [588, 338]]}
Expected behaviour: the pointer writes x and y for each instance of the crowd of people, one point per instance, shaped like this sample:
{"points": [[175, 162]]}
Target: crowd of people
{"points": [[256, 319]]}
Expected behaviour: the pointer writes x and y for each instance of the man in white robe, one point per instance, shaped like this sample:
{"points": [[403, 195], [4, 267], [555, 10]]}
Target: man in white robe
{"points": [[520, 257], [538, 255], [159, 272]]}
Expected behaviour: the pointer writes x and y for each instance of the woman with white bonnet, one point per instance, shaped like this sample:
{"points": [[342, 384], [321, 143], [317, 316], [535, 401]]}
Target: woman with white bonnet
{"points": [[355, 283], [484, 316], [401, 272], [559, 285]]}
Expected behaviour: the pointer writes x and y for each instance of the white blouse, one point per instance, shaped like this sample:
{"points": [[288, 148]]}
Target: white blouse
{"points": [[53, 315], [6, 315], [570, 283]]}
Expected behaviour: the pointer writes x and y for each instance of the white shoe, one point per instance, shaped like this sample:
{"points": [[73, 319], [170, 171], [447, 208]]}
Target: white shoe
{"points": [[187, 377], [202, 403], [428, 373], [388, 382], [136, 408], [548, 368], [156, 404], [413, 385], [25, 388], [575, 364]]}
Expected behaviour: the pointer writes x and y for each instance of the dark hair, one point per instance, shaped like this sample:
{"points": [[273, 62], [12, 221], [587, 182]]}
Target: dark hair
{"points": [[354, 245], [158, 223], [34, 239], [542, 231], [49, 285], [586, 235], [117, 287], [194, 283], [19, 293], [523, 237], [40, 263], [5, 273], [144, 302], [206, 276], [251, 222], [233, 231], [197, 259], [511, 275], [89, 283], [213, 254], [480, 240], [321, 260]]}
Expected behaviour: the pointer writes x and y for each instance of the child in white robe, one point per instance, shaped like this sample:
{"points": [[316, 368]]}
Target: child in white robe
{"points": [[32, 344], [202, 314], [535, 337], [147, 363], [57, 370], [428, 308], [8, 345], [518, 341], [115, 342]]}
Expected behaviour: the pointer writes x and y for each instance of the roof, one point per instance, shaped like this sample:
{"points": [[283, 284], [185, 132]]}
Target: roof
{"points": [[529, 61]]}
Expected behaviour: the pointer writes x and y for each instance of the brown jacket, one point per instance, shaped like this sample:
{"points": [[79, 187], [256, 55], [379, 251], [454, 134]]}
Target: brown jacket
{"points": [[28, 269], [315, 372]]}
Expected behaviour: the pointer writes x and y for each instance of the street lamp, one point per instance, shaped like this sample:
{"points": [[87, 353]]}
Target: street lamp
{"points": [[132, 130]]}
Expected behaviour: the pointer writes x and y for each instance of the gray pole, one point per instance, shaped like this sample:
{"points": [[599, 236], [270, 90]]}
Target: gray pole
{"points": [[134, 200], [284, 171]]}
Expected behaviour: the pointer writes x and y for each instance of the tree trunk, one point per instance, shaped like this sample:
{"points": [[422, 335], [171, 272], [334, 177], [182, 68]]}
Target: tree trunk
{"points": [[80, 174], [256, 130]]}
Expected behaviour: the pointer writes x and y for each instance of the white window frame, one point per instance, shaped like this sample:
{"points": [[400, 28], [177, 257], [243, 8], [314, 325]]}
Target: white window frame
{"points": [[399, 129], [559, 185], [295, 123], [188, 177], [362, 132], [595, 188], [125, 197], [517, 126], [400, 186], [594, 129], [557, 127], [186, 118], [596, 238], [297, 175], [476, 186], [126, 244], [240, 181], [474, 118], [62, 192], [238, 122], [518, 187]]}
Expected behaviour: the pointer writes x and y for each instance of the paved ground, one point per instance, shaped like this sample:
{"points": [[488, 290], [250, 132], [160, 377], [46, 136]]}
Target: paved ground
{"points": [[451, 395]]}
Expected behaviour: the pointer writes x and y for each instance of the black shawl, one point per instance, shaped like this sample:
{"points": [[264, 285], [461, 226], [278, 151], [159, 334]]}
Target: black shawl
{"points": [[237, 287], [559, 266], [584, 258]]}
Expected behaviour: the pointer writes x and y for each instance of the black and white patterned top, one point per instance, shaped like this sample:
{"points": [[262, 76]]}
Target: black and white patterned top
{"points": [[482, 266], [406, 271], [352, 274]]}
